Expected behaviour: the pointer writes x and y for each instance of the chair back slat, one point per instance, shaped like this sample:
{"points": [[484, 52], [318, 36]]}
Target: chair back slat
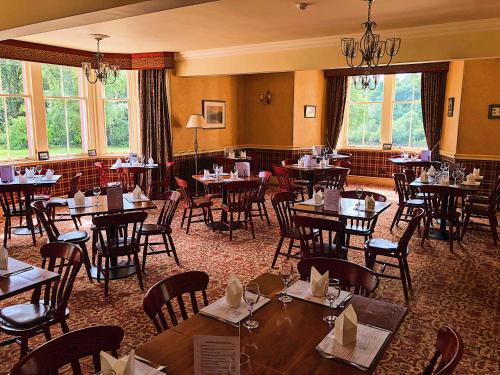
{"points": [[283, 178], [265, 176], [168, 210], [240, 195], [131, 177], [185, 193], [103, 176], [43, 217], [404, 241], [283, 203], [335, 178], [74, 184], [442, 202], [449, 352], [401, 187]]}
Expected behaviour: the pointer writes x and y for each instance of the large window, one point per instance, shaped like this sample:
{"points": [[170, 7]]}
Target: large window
{"points": [[14, 104], [392, 113], [65, 109], [116, 113]]}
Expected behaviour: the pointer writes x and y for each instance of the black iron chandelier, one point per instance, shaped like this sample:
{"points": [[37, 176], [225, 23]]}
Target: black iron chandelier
{"points": [[103, 72], [371, 50]]}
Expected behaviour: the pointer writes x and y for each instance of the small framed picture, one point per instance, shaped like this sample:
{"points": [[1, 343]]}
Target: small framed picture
{"points": [[214, 112], [309, 111], [387, 146], [92, 152], [43, 155], [451, 106], [494, 112]]}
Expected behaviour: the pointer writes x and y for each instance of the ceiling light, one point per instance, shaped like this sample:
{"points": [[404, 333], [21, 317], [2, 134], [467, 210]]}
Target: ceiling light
{"points": [[103, 72]]}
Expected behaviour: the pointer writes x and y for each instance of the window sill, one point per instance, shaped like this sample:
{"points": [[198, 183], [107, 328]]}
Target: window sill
{"points": [[379, 149], [57, 159]]}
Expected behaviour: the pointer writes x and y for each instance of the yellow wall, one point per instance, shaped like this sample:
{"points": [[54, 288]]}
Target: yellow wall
{"points": [[449, 133], [309, 90]]}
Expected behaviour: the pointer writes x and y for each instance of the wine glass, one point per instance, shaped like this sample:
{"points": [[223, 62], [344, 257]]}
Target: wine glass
{"points": [[251, 295], [215, 167], [17, 169], [97, 191], [127, 159], [286, 274], [456, 173], [38, 169], [332, 292], [359, 194]]}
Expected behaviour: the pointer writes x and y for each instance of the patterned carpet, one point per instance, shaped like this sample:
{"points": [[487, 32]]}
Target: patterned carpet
{"points": [[460, 289]]}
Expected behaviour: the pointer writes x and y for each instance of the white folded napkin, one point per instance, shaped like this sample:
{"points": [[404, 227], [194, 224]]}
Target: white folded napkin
{"points": [[23, 179], [206, 174], [431, 171], [318, 282], [471, 178], [30, 172], [283, 163], [301, 163], [424, 176], [318, 197], [151, 161], [369, 203], [243, 154], [231, 155], [137, 192], [49, 173], [476, 172], [234, 292], [79, 198], [346, 327], [233, 176], [123, 366], [334, 152], [118, 162], [4, 258]]}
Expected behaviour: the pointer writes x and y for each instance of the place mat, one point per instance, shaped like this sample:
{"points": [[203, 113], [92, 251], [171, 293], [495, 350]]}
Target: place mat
{"points": [[221, 311], [15, 266], [311, 202], [129, 197], [369, 343], [302, 290]]}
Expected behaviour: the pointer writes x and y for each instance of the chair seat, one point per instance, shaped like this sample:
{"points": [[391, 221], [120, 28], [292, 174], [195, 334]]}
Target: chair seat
{"points": [[415, 202], [294, 233], [477, 209], [151, 229], [74, 236], [357, 230], [213, 196], [330, 249], [56, 201], [27, 315], [478, 199], [381, 245], [295, 187], [202, 202], [234, 207], [301, 182]]}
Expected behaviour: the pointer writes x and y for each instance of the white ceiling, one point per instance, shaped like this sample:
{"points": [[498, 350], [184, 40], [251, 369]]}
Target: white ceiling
{"points": [[228, 23]]}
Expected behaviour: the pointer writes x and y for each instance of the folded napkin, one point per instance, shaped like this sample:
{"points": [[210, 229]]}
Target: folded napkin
{"points": [[118, 162], [151, 161], [233, 176], [424, 176], [318, 197], [445, 181], [137, 192], [206, 174], [283, 162], [122, 366], [243, 154], [334, 152], [471, 178], [4, 258], [346, 327], [30, 172], [79, 199], [431, 171], [318, 282], [23, 179], [231, 155], [234, 292], [49, 173], [476, 172], [369, 203], [301, 163]]}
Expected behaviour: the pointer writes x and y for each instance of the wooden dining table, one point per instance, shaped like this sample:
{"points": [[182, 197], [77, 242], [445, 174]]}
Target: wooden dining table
{"points": [[309, 173], [118, 269], [284, 342]]}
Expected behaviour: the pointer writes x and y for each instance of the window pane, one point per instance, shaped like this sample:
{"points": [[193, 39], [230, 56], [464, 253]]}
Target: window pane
{"points": [[51, 80], [364, 124], [407, 125], [70, 81], [118, 89], [13, 130], [376, 95], [116, 113], [11, 72], [407, 87], [63, 126]]}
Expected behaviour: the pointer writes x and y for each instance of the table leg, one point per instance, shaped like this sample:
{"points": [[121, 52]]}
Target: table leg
{"points": [[217, 225]]}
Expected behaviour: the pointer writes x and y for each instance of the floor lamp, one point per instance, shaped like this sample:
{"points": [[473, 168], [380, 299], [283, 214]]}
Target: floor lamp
{"points": [[195, 122]]}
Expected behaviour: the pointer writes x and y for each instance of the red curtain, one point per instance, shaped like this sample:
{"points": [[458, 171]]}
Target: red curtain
{"points": [[336, 92]]}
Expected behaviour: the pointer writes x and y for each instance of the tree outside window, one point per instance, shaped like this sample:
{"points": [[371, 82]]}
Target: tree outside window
{"points": [[116, 114]]}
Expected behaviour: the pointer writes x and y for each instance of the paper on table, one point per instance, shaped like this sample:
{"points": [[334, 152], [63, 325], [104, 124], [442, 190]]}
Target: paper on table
{"points": [[302, 290], [363, 352], [311, 202], [14, 266], [332, 200], [115, 198], [130, 197], [221, 311], [215, 355]]}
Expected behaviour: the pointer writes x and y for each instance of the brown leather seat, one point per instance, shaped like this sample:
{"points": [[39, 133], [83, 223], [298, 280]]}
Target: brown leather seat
{"points": [[154, 229], [57, 201], [74, 236], [381, 245], [27, 315]]}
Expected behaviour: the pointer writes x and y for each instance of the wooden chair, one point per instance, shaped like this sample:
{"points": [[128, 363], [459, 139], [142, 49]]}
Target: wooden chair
{"points": [[358, 226], [353, 277], [161, 228], [483, 208], [131, 177], [76, 237], [376, 247], [335, 178], [173, 288], [418, 166], [49, 302], [191, 204], [260, 197], [449, 352], [441, 203], [285, 184], [321, 237], [240, 196], [344, 164], [118, 235], [295, 176], [57, 202], [69, 348], [406, 204], [158, 188], [103, 176]]}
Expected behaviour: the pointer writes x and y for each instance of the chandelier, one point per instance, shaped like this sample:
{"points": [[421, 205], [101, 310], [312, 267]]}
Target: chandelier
{"points": [[371, 50], [103, 72]]}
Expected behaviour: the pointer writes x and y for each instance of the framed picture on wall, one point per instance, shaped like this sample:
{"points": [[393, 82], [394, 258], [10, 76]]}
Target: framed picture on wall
{"points": [[214, 112], [451, 106], [92, 152], [43, 155], [309, 111], [494, 112]]}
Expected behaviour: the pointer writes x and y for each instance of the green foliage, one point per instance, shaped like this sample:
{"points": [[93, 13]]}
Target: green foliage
{"points": [[116, 114]]}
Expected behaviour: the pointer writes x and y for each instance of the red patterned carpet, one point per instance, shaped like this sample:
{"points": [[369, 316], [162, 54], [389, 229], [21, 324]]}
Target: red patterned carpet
{"points": [[460, 289]]}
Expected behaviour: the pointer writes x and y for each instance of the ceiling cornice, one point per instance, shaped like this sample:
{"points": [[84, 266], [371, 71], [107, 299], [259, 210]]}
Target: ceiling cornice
{"points": [[483, 25]]}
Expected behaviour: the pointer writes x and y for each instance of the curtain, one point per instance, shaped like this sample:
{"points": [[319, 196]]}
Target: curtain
{"points": [[156, 133], [433, 92], [336, 92]]}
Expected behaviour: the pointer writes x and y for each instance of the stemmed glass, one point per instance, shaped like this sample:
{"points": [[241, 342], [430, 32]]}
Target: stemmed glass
{"points": [[251, 295], [38, 169], [97, 191], [215, 167], [286, 274], [332, 292], [17, 169], [359, 194], [127, 159], [456, 173]]}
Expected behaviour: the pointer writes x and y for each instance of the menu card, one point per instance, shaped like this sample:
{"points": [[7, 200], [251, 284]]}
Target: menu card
{"points": [[362, 352], [221, 311], [129, 197], [115, 199], [6, 173], [331, 200], [302, 290], [214, 355]]}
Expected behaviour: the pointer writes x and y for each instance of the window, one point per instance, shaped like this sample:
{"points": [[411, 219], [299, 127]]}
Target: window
{"points": [[14, 106], [392, 113], [65, 108], [365, 115], [116, 113], [407, 123]]}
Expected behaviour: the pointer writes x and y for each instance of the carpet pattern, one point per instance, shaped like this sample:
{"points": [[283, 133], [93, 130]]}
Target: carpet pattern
{"points": [[459, 289]]}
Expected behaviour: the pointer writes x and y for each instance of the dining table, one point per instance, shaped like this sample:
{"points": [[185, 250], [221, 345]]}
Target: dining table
{"points": [[402, 163], [222, 180], [94, 206], [309, 172], [285, 341]]}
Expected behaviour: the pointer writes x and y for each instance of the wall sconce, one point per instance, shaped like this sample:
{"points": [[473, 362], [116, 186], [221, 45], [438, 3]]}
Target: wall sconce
{"points": [[265, 98]]}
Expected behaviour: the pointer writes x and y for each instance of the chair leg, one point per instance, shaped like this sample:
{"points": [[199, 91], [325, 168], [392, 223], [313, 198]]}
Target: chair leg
{"points": [[397, 215], [64, 326], [290, 246], [260, 211], [76, 223], [138, 270], [402, 272], [493, 228], [450, 236], [86, 259], [99, 267], [183, 217], [427, 228], [189, 220], [172, 248], [407, 269], [278, 249], [231, 219], [24, 346], [465, 225], [46, 332], [266, 214], [106, 276], [144, 252], [251, 224], [6, 231]]}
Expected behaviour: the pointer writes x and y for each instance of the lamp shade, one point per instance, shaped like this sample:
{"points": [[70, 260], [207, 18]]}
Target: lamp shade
{"points": [[195, 121]]}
